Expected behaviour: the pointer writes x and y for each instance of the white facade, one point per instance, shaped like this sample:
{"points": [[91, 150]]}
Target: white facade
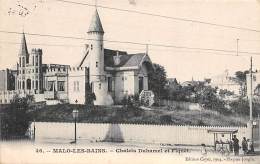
{"points": [[77, 79], [225, 81]]}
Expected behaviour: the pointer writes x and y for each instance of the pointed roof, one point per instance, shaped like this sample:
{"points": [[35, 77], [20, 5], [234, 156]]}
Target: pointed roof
{"points": [[23, 49], [126, 60], [95, 24]]}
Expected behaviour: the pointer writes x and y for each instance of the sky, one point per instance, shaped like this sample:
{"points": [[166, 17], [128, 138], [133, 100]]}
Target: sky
{"points": [[59, 18]]}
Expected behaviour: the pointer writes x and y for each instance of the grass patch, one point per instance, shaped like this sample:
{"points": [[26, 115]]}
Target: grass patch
{"points": [[120, 114]]}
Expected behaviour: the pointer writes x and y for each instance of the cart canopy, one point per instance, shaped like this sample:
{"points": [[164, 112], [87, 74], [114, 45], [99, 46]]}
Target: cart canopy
{"points": [[223, 131]]}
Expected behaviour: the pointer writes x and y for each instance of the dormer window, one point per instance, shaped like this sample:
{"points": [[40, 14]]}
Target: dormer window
{"points": [[117, 58]]}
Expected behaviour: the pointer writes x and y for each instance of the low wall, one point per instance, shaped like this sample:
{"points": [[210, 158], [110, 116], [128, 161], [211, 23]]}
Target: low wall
{"points": [[7, 96], [173, 134]]}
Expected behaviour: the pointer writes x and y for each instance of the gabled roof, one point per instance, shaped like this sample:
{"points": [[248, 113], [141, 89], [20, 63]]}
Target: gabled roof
{"points": [[126, 60], [23, 48], [95, 24]]}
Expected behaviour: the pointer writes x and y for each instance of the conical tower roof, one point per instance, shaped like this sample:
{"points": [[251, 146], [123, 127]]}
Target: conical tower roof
{"points": [[23, 48], [95, 24]]}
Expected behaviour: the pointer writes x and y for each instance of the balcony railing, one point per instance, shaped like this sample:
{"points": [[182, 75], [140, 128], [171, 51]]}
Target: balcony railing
{"points": [[49, 95]]}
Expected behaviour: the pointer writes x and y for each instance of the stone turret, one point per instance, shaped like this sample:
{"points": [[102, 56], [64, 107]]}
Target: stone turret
{"points": [[97, 76], [95, 36], [29, 76], [36, 75]]}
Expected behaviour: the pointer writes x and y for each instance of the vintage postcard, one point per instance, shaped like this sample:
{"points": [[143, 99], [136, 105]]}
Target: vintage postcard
{"points": [[129, 81]]}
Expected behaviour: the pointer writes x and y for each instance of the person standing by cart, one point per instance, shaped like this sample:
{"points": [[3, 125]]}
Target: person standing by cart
{"points": [[236, 145], [244, 145], [250, 147], [231, 146]]}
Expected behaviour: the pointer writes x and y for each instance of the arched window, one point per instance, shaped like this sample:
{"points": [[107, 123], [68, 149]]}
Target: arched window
{"points": [[77, 85], [141, 84], [109, 83], [28, 84], [23, 62], [92, 87], [36, 60], [36, 84]]}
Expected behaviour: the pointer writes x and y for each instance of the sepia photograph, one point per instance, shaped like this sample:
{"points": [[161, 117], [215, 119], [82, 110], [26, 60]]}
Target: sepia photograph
{"points": [[129, 81]]}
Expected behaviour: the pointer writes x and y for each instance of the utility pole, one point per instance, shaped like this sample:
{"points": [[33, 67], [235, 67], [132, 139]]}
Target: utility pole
{"points": [[251, 89], [250, 123]]}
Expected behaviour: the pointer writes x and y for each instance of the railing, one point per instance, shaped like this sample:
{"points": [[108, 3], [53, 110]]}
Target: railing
{"points": [[49, 95], [62, 95]]}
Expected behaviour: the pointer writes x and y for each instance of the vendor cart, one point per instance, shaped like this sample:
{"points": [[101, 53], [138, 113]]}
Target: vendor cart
{"points": [[224, 146]]}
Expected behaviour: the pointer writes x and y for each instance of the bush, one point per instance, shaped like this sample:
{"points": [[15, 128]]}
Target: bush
{"points": [[225, 92], [16, 118], [131, 100], [166, 119], [201, 123], [124, 101], [241, 107]]}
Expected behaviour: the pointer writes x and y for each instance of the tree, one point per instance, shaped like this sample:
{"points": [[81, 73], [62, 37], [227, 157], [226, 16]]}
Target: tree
{"points": [[224, 92], [241, 107], [16, 118], [241, 76], [157, 81], [210, 100], [90, 96]]}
